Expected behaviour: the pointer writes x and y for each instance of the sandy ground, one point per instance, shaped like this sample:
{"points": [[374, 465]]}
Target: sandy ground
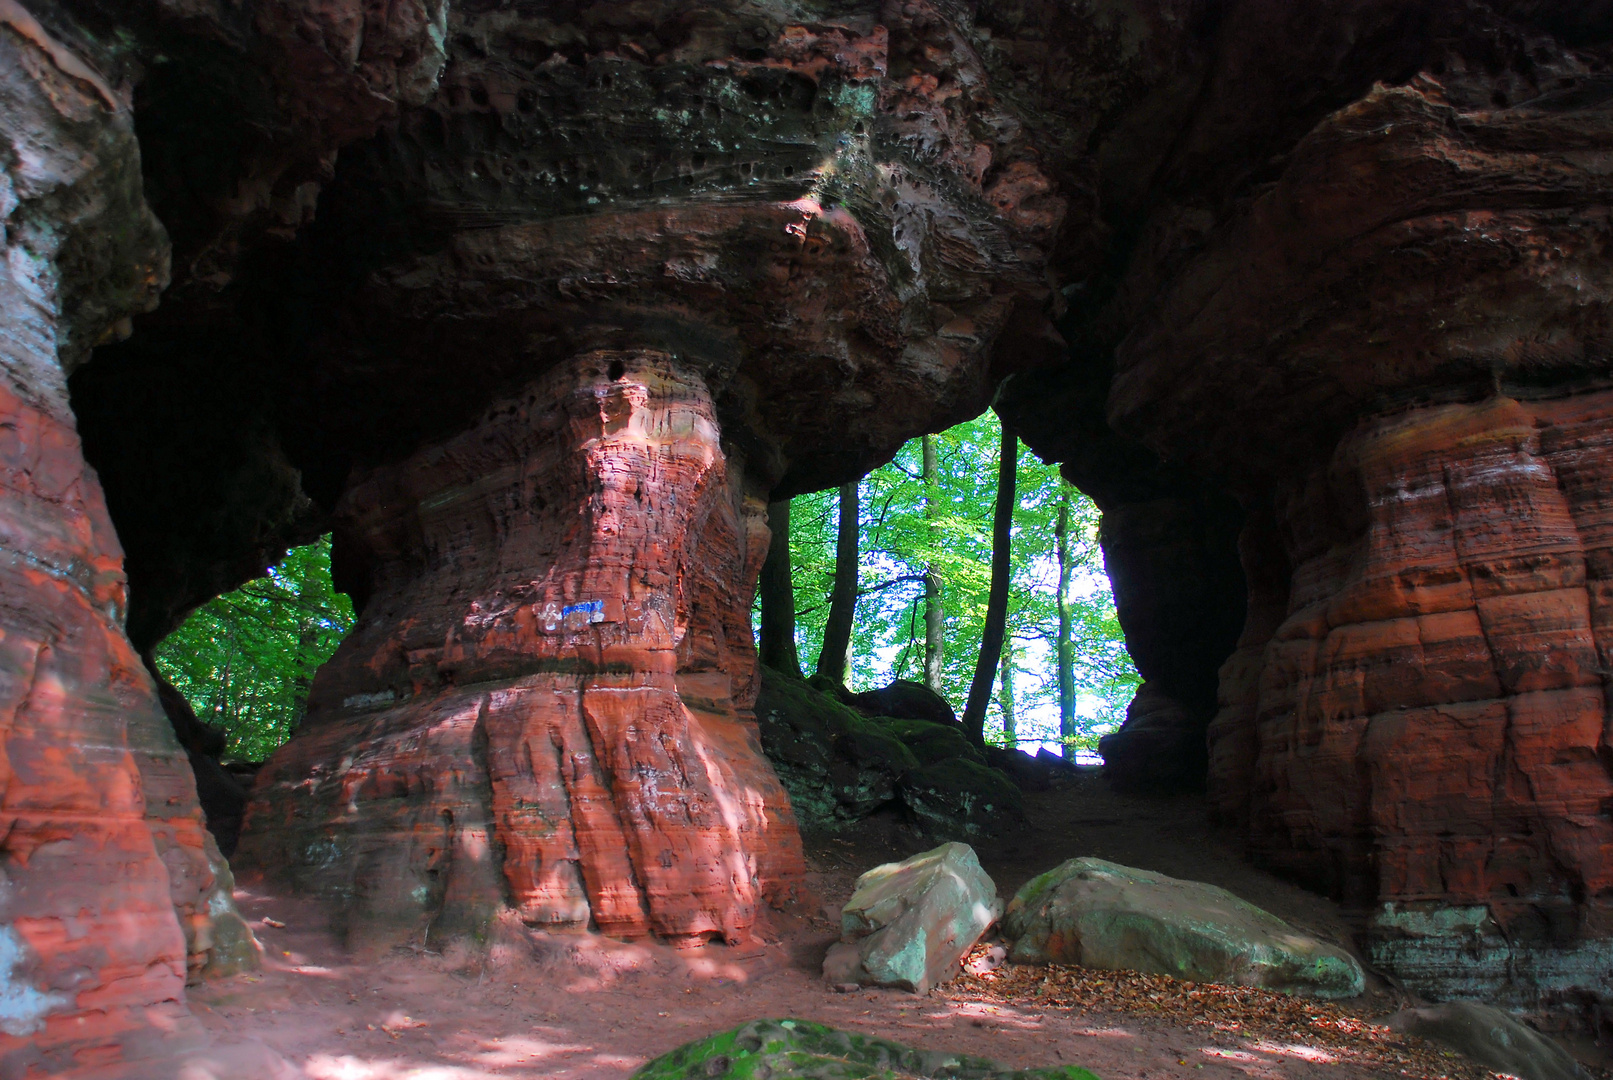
{"points": [[580, 1006]]}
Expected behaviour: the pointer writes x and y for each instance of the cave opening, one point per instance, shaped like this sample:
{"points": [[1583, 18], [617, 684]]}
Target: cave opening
{"points": [[540, 323]]}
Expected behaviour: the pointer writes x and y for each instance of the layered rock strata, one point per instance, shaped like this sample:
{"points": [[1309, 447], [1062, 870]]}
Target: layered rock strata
{"points": [[114, 894], [723, 259], [546, 700], [1406, 389], [1430, 719], [1288, 236]]}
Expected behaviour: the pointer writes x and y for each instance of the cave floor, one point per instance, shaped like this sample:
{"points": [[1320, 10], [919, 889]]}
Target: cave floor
{"points": [[580, 1006]]}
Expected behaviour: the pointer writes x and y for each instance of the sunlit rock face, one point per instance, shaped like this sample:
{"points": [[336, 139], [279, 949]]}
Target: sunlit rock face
{"points": [[547, 698], [716, 256], [113, 892], [1396, 354]]}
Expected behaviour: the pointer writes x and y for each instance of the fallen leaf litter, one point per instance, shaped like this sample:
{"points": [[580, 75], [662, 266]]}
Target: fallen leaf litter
{"points": [[1251, 1015]]}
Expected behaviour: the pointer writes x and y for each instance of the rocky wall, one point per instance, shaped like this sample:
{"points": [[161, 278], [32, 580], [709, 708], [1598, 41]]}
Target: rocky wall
{"points": [[114, 893], [1431, 717], [1394, 354]]}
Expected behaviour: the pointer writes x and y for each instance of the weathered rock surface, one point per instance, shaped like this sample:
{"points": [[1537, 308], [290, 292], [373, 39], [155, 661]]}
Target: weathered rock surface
{"points": [[840, 766], [1444, 644], [547, 697], [1102, 915], [802, 1050], [115, 893], [904, 699], [1492, 1038], [1389, 343], [1333, 273], [908, 924]]}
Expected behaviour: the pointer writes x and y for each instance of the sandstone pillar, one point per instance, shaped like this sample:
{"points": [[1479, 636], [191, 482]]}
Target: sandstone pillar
{"points": [[545, 704], [111, 891], [1431, 736]]}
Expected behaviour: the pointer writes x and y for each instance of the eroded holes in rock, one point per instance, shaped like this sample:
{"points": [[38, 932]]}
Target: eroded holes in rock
{"points": [[478, 95], [616, 370]]}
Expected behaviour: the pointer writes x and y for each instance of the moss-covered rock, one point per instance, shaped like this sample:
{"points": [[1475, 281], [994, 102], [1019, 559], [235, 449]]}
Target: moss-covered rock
{"points": [[962, 797], [1103, 915], [837, 765], [840, 766], [932, 743], [802, 1050]]}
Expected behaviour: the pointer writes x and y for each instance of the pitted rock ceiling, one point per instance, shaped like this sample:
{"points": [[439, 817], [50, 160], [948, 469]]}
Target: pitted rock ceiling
{"points": [[537, 305]]}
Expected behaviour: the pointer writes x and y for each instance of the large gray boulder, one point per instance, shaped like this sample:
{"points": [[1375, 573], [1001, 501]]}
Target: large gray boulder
{"points": [[1491, 1038], [1102, 915], [909, 923]]}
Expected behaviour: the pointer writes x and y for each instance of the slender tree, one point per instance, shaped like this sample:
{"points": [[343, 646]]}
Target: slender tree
{"points": [[843, 598], [777, 589], [1005, 695], [935, 616], [991, 637], [1066, 654]]}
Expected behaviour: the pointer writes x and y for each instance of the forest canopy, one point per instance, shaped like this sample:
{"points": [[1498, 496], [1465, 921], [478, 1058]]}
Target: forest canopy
{"points": [[245, 659]]}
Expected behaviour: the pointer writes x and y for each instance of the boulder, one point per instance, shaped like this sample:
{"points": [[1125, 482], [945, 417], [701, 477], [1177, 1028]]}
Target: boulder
{"points": [[839, 766], [1102, 915], [961, 797], [802, 1050], [909, 923], [904, 699], [931, 742], [1492, 1038]]}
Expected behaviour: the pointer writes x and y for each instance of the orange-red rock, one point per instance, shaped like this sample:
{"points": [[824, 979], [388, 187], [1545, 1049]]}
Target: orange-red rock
{"points": [[547, 697], [1428, 729], [113, 892]]}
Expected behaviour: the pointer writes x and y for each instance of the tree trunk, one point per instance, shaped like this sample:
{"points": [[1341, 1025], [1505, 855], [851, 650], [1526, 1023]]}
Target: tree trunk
{"points": [[935, 616], [1005, 696], [777, 589], [1066, 657], [843, 599], [991, 638]]}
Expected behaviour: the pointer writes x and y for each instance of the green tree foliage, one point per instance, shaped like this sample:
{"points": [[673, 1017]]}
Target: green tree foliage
{"points": [[899, 541], [245, 660]]}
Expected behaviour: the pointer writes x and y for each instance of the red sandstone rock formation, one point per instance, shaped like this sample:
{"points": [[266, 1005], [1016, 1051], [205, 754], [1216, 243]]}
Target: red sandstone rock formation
{"points": [[114, 892], [1429, 724], [1414, 719], [1342, 262], [817, 264], [547, 699], [1372, 306]]}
